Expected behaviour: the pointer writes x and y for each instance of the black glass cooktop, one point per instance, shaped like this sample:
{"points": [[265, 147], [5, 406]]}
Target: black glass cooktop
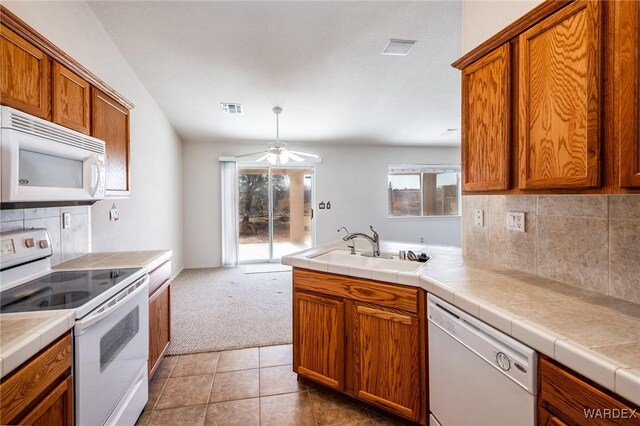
{"points": [[61, 290]]}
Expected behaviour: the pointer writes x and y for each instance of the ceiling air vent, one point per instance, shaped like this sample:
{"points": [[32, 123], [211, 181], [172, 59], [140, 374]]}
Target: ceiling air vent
{"points": [[231, 108], [398, 47]]}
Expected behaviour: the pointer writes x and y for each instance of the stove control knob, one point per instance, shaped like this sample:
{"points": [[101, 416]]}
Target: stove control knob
{"points": [[503, 361], [44, 244], [30, 242]]}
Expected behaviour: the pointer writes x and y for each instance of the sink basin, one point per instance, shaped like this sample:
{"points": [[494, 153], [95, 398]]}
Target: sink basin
{"points": [[343, 257]]}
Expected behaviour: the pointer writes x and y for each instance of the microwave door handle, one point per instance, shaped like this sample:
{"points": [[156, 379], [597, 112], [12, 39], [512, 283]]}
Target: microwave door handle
{"points": [[97, 176], [90, 320]]}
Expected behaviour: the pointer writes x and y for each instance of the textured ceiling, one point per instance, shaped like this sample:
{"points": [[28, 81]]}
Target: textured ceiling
{"points": [[320, 61]]}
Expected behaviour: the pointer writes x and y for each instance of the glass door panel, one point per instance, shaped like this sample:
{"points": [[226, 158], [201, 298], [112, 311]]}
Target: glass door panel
{"points": [[275, 212], [292, 215], [253, 212]]}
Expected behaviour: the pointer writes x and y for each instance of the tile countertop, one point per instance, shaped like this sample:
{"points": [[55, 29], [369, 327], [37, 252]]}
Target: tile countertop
{"points": [[149, 259], [598, 336], [24, 334]]}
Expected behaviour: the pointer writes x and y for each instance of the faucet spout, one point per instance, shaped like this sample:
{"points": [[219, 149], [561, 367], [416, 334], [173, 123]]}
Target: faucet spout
{"points": [[374, 240]]}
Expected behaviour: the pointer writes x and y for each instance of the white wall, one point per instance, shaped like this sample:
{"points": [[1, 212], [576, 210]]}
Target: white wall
{"points": [[482, 19], [353, 178], [152, 217]]}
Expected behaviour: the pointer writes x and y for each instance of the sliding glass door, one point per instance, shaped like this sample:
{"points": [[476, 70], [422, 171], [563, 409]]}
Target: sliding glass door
{"points": [[275, 215]]}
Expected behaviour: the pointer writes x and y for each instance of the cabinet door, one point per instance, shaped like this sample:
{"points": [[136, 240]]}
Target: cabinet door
{"points": [[486, 107], [318, 339], [387, 359], [545, 418], [560, 99], [56, 409], [159, 325], [25, 80], [627, 91], [71, 98], [110, 122]]}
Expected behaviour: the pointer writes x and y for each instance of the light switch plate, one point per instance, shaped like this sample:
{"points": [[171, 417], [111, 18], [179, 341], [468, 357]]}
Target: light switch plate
{"points": [[66, 220], [515, 221], [478, 217]]}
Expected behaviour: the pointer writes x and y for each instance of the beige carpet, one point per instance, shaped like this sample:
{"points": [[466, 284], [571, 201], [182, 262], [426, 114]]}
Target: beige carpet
{"points": [[224, 308]]}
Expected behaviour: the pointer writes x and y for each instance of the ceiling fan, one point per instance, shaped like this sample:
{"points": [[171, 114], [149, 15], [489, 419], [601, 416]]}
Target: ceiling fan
{"points": [[277, 152]]}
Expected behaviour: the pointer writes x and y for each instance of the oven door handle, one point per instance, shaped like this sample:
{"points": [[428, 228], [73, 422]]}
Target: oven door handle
{"points": [[98, 315]]}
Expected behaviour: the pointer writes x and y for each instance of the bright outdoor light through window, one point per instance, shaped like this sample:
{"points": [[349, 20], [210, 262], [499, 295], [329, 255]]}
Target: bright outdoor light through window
{"points": [[421, 190]]}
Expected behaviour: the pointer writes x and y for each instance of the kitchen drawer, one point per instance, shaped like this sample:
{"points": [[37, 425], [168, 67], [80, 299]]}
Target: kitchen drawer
{"points": [[26, 385], [564, 398], [158, 276], [391, 296]]}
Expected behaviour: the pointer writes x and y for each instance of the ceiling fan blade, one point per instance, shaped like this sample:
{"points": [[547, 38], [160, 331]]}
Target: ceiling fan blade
{"points": [[295, 157], [305, 154], [249, 155], [264, 157]]}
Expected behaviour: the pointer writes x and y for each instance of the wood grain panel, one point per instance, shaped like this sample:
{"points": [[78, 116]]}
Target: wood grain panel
{"points": [[565, 397], [110, 122], [627, 91], [318, 339], [560, 99], [25, 385], [159, 325], [486, 109], [387, 359], [56, 409], [25, 82], [17, 25], [393, 296], [71, 100]]}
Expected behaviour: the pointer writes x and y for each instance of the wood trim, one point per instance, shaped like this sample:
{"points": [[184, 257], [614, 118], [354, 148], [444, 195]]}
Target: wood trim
{"points": [[25, 385], [387, 404], [16, 24], [385, 315], [531, 18], [312, 375], [393, 296], [594, 103]]}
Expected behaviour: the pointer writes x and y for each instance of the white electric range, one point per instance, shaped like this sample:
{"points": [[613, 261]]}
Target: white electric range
{"points": [[111, 334]]}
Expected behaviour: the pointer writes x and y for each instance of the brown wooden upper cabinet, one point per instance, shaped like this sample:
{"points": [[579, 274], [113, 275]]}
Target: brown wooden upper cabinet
{"points": [[560, 99], [319, 337], [627, 91], [110, 122], [71, 100], [25, 83], [486, 106]]}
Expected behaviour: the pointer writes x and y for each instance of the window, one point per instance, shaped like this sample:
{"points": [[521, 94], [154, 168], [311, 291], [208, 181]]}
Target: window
{"points": [[421, 190]]}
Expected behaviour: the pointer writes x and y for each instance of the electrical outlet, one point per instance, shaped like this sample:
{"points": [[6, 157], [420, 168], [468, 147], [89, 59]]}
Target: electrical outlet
{"points": [[515, 221], [478, 217], [114, 214], [66, 220]]}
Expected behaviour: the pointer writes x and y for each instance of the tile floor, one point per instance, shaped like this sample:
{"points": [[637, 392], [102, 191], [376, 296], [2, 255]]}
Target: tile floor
{"points": [[245, 387]]}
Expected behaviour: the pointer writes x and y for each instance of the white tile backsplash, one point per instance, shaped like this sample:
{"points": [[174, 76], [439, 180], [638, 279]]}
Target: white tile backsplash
{"points": [[68, 243]]}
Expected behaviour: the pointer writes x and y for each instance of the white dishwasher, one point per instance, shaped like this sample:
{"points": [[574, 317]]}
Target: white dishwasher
{"points": [[477, 374]]}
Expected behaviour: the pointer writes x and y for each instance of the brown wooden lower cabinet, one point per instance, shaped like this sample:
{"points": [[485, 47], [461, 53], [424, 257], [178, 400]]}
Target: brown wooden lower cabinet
{"points": [[566, 399], [370, 351], [159, 315], [40, 392]]}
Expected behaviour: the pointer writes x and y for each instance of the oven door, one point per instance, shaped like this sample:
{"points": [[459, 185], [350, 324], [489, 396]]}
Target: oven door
{"points": [[111, 347], [57, 167]]}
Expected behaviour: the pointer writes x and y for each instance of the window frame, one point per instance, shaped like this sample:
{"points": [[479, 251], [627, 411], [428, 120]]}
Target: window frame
{"points": [[450, 168]]}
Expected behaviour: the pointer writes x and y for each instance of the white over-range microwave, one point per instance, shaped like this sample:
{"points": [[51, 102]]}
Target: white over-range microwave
{"points": [[44, 162]]}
